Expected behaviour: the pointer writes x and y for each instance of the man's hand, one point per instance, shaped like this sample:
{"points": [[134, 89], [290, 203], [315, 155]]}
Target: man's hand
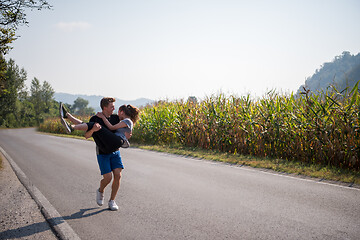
{"points": [[96, 127]]}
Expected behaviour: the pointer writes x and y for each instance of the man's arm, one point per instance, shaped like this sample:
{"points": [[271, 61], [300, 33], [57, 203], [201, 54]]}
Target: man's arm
{"points": [[95, 128]]}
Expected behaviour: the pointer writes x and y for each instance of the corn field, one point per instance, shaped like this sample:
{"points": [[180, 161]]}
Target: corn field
{"points": [[312, 128]]}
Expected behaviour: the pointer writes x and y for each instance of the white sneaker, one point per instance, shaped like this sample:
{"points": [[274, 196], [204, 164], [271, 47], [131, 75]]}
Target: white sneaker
{"points": [[62, 110], [66, 125], [99, 198], [113, 206]]}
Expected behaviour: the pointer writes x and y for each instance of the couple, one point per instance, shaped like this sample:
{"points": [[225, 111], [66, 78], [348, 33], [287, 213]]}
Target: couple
{"points": [[110, 132]]}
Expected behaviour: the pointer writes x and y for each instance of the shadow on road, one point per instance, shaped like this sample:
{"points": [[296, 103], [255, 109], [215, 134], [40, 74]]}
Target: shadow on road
{"points": [[36, 228], [81, 213]]}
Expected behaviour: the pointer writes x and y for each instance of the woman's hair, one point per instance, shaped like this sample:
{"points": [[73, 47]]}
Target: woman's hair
{"points": [[131, 111], [105, 101]]}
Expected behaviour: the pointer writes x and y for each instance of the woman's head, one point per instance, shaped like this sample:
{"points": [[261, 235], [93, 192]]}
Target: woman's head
{"points": [[130, 111]]}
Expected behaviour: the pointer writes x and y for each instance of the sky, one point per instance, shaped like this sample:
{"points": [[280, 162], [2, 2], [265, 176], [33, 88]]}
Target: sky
{"points": [[173, 49]]}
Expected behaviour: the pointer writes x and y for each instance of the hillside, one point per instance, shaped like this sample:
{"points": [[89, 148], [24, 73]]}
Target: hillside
{"points": [[342, 72], [94, 100]]}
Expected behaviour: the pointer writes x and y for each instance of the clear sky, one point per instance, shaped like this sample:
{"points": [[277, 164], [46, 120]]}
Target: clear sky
{"points": [[172, 49]]}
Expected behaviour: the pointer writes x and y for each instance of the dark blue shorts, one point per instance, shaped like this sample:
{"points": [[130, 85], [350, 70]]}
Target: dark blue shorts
{"points": [[109, 162]]}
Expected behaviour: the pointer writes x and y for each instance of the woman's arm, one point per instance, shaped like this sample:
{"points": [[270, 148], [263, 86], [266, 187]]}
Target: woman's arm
{"points": [[109, 125]]}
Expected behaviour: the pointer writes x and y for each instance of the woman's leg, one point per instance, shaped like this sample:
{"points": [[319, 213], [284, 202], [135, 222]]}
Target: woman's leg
{"points": [[73, 119], [81, 126]]}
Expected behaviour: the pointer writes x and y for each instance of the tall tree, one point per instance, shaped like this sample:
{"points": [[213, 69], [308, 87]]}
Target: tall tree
{"points": [[2, 74], [41, 96], [47, 95], [13, 14], [35, 99], [12, 86]]}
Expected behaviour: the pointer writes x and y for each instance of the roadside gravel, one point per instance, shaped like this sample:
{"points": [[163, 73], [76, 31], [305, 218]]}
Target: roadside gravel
{"points": [[20, 216]]}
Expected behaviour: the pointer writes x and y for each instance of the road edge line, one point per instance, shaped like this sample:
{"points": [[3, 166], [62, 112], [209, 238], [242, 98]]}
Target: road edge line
{"points": [[52, 216]]}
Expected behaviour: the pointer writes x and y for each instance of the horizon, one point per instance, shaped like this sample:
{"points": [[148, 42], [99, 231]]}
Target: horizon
{"points": [[94, 95]]}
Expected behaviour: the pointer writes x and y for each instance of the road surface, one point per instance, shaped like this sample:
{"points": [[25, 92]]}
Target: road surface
{"points": [[164, 196]]}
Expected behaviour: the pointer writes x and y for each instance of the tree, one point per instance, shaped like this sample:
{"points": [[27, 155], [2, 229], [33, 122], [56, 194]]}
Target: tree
{"points": [[80, 107], [18, 107], [12, 86], [47, 96], [35, 98], [41, 96], [192, 100], [12, 15], [2, 74]]}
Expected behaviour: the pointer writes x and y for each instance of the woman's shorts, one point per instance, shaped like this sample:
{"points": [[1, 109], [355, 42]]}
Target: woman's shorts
{"points": [[109, 162]]}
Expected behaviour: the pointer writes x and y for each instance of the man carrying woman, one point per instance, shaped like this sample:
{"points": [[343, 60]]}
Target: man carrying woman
{"points": [[102, 127]]}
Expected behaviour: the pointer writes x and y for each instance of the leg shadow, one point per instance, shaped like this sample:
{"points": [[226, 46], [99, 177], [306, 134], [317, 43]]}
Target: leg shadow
{"points": [[44, 226]]}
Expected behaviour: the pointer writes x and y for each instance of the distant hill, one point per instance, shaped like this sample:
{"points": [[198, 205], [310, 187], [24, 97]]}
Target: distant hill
{"points": [[94, 100], [342, 72]]}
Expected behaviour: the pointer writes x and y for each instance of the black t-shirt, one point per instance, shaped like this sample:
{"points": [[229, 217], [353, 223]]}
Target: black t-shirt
{"points": [[113, 119]]}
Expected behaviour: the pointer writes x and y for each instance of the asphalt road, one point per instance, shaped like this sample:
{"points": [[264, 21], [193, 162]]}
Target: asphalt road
{"points": [[163, 196]]}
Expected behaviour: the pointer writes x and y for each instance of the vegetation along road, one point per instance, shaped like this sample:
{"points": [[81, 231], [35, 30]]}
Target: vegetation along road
{"points": [[165, 196]]}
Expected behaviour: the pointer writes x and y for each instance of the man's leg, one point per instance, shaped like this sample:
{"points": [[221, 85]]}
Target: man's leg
{"points": [[117, 167], [116, 183], [105, 181], [100, 192], [105, 169]]}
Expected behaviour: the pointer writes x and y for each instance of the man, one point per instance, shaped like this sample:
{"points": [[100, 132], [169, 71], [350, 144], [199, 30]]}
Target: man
{"points": [[110, 164]]}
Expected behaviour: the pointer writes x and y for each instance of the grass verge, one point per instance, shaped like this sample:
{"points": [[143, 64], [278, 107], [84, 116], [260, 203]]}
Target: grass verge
{"points": [[66, 135]]}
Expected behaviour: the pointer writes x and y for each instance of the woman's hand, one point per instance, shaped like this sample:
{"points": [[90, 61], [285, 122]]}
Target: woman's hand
{"points": [[100, 115]]}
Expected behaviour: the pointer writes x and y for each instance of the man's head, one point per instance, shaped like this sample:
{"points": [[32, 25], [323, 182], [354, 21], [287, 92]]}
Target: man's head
{"points": [[107, 105]]}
